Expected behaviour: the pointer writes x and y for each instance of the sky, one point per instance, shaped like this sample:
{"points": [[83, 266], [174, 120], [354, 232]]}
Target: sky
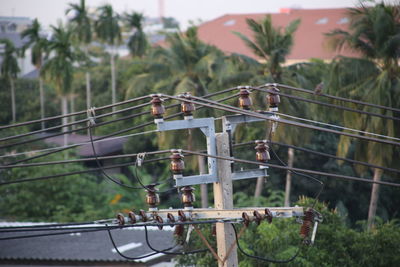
{"points": [[49, 11]]}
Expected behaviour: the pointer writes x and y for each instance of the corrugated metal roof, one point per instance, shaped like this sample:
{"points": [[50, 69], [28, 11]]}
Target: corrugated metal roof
{"points": [[84, 246]]}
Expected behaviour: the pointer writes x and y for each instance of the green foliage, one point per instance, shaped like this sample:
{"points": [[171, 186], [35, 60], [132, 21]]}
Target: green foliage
{"points": [[9, 66], [73, 198], [81, 22], [137, 42], [270, 44], [335, 244], [106, 25], [59, 68]]}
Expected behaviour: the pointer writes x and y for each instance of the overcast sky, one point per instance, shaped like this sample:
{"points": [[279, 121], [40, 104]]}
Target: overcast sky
{"points": [[48, 11]]}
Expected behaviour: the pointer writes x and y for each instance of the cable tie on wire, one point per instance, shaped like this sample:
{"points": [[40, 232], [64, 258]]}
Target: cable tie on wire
{"points": [[140, 159], [91, 113]]}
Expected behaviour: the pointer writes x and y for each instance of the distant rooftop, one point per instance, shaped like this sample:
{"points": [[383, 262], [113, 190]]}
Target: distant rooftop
{"points": [[309, 39]]}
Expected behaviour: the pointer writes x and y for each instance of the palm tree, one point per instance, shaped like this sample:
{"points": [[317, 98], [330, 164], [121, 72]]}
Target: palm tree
{"points": [[9, 69], [82, 29], [374, 34], [38, 45], [108, 31], [137, 41], [59, 68], [273, 44]]}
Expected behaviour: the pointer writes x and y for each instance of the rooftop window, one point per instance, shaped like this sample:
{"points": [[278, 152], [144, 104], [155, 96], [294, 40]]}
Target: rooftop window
{"points": [[343, 21], [322, 21], [230, 22]]}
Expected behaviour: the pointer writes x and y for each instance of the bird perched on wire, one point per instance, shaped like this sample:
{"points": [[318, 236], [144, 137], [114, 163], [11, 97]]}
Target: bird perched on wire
{"points": [[318, 88]]}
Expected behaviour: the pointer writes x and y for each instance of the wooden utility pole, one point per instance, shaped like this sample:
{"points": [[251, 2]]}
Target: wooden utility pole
{"points": [[374, 199], [223, 199], [289, 177]]}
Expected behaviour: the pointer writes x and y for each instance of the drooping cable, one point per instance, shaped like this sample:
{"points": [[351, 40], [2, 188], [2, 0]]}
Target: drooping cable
{"points": [[101, 167], [262, 258], [166, 252], [134, 258], [304, 175]]}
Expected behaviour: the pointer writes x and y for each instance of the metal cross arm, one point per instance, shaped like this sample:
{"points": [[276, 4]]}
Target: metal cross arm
{"points": [[229, 124], [207, 126]]}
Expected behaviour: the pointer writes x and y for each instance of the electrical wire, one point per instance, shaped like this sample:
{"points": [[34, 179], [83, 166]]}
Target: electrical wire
{"points": [[262, 258], [74, 113], [71, 123], [338, 127], [56, 150], [327, 104], [304, 175], [340, 176], [166, 252], [216, 105], [115, 226], [325, 155], [101, 167], [329, 96], [72, 130], [134, 258], [49, 234]]}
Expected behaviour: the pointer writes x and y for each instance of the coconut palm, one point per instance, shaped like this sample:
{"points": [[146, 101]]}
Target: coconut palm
{"points": [[37, 43], [59, 68], [137, 42], [272, 45], [374, 34], [9, 69], [108, 31], [82, 29]]}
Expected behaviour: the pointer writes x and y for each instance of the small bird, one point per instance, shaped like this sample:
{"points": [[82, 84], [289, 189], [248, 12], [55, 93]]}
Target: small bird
{"points": [[318, 88]]}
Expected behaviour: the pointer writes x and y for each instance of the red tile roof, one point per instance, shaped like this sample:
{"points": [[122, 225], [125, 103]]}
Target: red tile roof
{"points": [[309, 41]]}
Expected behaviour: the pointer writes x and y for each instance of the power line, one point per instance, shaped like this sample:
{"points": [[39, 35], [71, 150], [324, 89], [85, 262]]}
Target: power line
{"points": [[115, 133], [72, 114], [262, 258], [70, 146], [64, 174], [304, 175], [325, 155], [49, 234], [327, 104], [330, 96], [74, 130], [146, 234], [133, 258], [71, 123], [103, 226], [345, 177], [337, 126], [228, 108]]}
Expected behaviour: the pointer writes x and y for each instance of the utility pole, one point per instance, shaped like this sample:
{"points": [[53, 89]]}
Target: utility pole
{"points": [[223, 199]]}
